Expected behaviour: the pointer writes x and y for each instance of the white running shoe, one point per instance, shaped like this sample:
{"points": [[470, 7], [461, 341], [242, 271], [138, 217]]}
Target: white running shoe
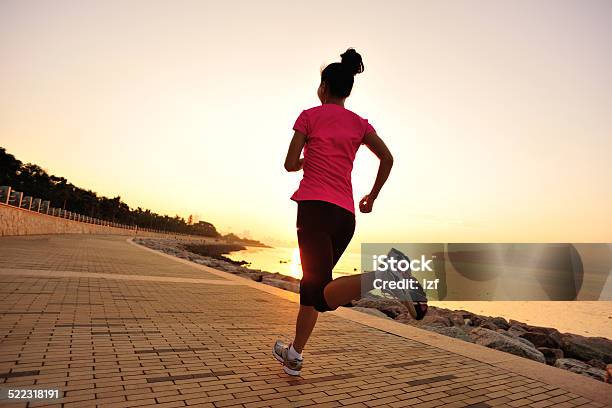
{"points": [[280, 351]]}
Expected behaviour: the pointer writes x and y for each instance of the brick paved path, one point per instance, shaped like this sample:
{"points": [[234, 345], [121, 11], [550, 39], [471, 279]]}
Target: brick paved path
{"points": [[112, 324]]}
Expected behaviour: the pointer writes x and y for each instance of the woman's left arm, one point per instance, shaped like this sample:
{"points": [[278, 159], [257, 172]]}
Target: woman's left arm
{"points": [[293, 162]]}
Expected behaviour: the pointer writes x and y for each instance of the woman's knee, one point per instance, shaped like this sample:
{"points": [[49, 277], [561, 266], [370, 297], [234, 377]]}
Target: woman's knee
{"points": [[327, 303]]}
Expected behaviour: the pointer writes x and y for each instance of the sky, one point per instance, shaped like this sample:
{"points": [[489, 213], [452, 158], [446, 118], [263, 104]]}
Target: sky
{"points": [[499, 114]]}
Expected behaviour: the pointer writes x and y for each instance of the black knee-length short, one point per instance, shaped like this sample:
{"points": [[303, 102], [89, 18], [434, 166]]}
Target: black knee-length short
{"points": [[324, 230]]}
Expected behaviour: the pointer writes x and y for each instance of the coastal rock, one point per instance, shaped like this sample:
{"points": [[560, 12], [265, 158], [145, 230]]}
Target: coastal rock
{"points": [[477, 320], [286, 277], [516, 330], [581, 368], [436, 320], [453, 331], [509, 344], [500, 322], [428, 320], [488, 324], [465, 316], [391, 308], [597, 364], [551, 354], [444, 317], [537, 329], [290, 286], [522, 340], [456, 320], [371, 311], [587, 348], [449, 317], [541, 339], [453, 318]]}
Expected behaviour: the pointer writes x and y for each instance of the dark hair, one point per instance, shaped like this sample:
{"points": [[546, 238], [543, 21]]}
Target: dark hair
{"points": [[339, 76]]}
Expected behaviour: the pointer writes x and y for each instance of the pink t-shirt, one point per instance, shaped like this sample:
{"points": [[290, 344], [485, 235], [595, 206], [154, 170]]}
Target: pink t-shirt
{"points": [[333, 135]]}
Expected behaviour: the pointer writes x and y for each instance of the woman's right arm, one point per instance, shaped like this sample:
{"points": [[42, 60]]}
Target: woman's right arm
{"points": [[293, 161], [380, 149]]}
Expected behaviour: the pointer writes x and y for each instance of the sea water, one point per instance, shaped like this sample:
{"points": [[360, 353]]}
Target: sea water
{"points": [[286, 260]]}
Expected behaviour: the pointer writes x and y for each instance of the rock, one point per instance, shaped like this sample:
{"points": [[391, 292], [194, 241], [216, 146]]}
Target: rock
{"points": [[389, 307], [290, 286], [371, 311], [457, 319], [541, 339], [428, 320], [509, 344], [405, 318], [540, 336], [551, 354], [433, 320], [516, 330], [524, 341], [488, 324], [464, 314], [500, 322], [597, 364], [581, 368], [477, 320], [453, 331], [445, 317], [587, 348], [287, 278]]}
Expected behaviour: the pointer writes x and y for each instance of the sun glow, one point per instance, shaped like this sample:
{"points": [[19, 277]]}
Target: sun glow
{"points": [[296, 264]]}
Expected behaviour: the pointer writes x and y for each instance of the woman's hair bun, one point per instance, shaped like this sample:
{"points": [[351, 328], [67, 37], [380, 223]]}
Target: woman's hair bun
{"points": [[352, 60]]}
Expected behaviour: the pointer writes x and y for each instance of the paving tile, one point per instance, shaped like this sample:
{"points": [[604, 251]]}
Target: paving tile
{"points": [[430, 380]]}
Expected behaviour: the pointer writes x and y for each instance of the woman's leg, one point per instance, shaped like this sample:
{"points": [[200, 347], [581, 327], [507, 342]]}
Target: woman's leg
{"points": [[316, 253], [306, 320], [346, 288], [343, 290]]}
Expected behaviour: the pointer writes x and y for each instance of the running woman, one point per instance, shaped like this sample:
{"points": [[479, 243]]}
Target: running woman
{"points": [[330, 135]]}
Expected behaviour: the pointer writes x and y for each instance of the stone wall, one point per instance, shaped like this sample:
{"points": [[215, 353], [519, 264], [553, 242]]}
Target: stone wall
{"points": [[19, 221]]}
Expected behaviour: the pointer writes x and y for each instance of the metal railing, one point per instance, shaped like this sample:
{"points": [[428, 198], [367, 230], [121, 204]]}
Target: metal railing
{"points": [[14, 198]]}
